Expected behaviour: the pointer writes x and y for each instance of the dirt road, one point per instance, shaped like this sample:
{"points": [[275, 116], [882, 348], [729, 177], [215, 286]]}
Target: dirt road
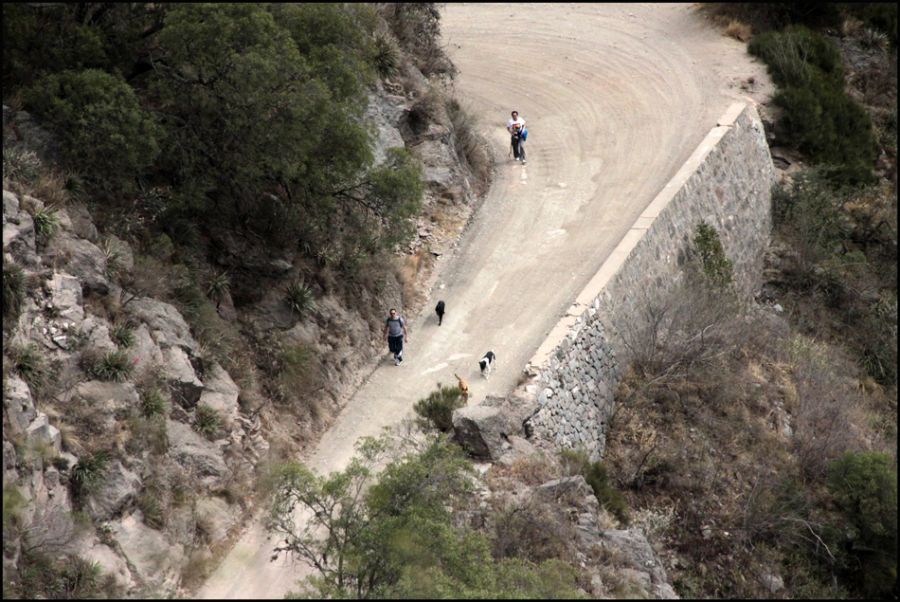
{"points": [[616, 97]]}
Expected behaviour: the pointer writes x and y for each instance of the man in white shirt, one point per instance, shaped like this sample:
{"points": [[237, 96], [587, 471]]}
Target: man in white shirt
{"points": [[516, 126]]}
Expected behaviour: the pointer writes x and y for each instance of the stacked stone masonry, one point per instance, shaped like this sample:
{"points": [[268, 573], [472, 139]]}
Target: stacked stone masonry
{"points": [[726, 183]]}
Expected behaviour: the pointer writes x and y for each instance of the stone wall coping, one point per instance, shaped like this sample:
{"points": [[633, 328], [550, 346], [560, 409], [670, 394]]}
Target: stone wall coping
{"points": [[619, 255]]}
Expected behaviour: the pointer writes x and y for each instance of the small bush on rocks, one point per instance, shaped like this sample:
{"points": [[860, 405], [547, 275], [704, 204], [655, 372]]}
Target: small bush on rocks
{"points": [[207, 421], [300, 298], [13, 290], [122, 335], [88, 473], [112, 366], [153, 403], [864, 486], [29, 363], [577, 462], [436, 410]]}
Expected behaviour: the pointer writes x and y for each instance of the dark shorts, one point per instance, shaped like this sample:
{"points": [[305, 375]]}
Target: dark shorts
{"points": [[395, 344]]}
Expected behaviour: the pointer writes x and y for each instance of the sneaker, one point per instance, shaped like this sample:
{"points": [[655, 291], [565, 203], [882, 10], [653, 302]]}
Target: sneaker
{"points": [[524, 161], [396, 362]]}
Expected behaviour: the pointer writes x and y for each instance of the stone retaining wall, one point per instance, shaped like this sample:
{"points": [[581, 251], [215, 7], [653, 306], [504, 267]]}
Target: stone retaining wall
{"points": [[726, 183]]}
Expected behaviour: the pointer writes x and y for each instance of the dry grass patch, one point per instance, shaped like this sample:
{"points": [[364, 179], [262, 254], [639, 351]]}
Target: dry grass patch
{"points": [[410, 271], [738, 30]]}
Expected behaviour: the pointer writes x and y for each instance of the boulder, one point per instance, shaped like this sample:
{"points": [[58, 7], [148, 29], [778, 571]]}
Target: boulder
{"points": [[65, 295], [10, 474], [18, 231], [156, 563], [166, 324], [215, 517], [119, 486], [195, 453], [121, 252], [633, 546], [177, 369], [18, 403], [482, 431], [91, 549], [81, 258], [221, 394], [81, 223], [95, 330], [41, 432], [110, 397], [144, 350]]}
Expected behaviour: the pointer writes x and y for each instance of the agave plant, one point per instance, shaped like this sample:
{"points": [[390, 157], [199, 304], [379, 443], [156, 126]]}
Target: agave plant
{"points": [[219, 285], [45, 222], [300, 297]]}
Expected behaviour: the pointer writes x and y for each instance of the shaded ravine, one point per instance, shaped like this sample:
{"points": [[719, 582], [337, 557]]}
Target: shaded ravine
{"points": [[616, 98]]}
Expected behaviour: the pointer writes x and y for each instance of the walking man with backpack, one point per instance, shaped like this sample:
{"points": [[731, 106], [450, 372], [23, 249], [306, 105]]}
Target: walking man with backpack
{"points": [[395, 334], [516, 128]]}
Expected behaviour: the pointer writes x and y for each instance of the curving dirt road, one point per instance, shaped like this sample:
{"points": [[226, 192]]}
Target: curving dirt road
{"points": [[616, 97]]}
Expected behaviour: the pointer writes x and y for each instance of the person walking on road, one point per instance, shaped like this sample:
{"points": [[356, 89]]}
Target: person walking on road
{"points": [[395, 334], [516, 128]]}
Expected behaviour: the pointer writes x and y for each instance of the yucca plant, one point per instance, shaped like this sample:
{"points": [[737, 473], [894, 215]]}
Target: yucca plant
{"points": [[20, 165], [88, 473], [122, 334], [219, 285], [300, 298], [207, 421], [45, 222], [29, 363], [13, 290], [153, 403], [113, 366]]}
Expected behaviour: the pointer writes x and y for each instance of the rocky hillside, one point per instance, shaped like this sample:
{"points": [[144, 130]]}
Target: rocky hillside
{"points": [[132, 449]]}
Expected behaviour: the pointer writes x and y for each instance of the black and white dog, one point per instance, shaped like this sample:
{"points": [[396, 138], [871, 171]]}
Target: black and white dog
{"points": [[439, 309], [487, 363]]}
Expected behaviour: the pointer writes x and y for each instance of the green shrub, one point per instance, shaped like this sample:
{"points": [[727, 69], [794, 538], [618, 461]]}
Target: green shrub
{"points": [[29, 363], [13, 290], [819, 118], [20, 165], [207, 421], [716, 266], [13, 504], [300, 298], [831, 128], [45, 223], [122, 335], [436, 410], [797, 56], [88, 473], [595, 473], [864, 487], [385, 56], [102, 130], [880, 15], [153, 403], [111, 366], [218, 287], [41, 576]]}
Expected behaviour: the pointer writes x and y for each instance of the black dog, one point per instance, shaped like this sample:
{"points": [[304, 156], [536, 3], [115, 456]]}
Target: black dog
{"points": [[439, 308], [487, 363]]}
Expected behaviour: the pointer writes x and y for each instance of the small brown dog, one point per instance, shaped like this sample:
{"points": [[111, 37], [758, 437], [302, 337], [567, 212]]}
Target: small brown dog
{"points": [[463, 386]]}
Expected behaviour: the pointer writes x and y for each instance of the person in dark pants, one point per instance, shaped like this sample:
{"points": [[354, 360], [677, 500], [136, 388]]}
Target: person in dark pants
{"points": [[439, 310], [395, 334], [516, 128]]}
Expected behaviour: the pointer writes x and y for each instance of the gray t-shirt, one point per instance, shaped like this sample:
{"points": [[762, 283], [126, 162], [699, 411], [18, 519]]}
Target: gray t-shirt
{"points": [[395, 326]]}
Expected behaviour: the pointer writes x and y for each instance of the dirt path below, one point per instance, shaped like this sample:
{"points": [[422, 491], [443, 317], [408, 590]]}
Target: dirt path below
{"points": [[616, 97]]}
